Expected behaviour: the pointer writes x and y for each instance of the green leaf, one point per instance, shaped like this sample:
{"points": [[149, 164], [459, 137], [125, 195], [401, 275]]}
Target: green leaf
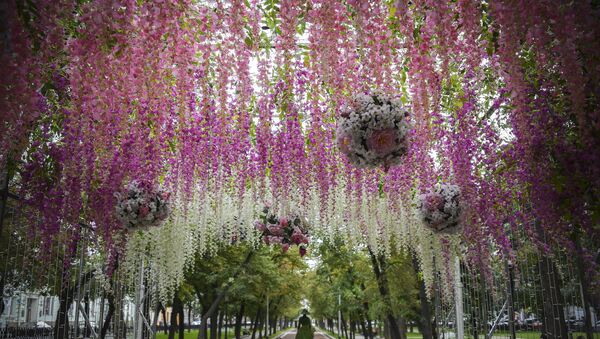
{"points": [[249, 42]]}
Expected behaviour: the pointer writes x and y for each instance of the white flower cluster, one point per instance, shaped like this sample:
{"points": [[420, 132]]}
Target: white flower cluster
{"points": [[440, 209], [140, 206], [372, 130]]}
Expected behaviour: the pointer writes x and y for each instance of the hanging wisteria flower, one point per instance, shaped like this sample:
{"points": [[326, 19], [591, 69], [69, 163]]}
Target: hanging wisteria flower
{"points": [[283, 231], [141, 206], [441, 209], [372, 130]]}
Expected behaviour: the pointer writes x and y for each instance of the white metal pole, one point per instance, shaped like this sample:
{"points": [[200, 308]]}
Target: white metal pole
{"points": [[340, 315], [460, 323], [78, 300], [138, 314], [267, 324]]}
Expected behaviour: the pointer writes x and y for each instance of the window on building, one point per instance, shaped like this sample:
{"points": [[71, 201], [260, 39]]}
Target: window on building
{"points": [[47, 305]]}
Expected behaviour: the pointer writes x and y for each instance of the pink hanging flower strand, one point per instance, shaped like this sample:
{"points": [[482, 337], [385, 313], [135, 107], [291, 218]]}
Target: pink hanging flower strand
{"points": [[154, 90]]}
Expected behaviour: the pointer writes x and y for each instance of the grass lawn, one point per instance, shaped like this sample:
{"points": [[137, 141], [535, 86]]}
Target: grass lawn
{"points": [[529, 335], [409, 335], [193, 335], [504, 334], [498, 334]]}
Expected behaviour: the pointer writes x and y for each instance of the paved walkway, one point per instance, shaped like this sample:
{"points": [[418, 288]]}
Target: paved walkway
{"points": [[289, 335], [292, 335]]}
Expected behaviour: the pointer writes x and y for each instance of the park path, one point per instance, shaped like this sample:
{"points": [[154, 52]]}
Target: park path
{"points": [[292, 335], [289, 335]]}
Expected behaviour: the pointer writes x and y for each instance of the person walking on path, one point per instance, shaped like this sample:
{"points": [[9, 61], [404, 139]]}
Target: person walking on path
{"points": [[305, 330]]}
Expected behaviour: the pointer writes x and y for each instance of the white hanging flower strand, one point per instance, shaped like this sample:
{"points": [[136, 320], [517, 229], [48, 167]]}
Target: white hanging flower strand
{"points": [[141, 206], [372, 131], [441, 209], [206, 221]]}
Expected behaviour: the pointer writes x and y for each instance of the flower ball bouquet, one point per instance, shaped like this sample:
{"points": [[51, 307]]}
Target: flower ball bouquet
{"points": [[141, 206], [372, 131], [441, 209], [283, 231]]}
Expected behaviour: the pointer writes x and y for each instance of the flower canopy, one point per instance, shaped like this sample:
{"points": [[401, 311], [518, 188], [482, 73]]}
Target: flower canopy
{"points": [[231, 104]]}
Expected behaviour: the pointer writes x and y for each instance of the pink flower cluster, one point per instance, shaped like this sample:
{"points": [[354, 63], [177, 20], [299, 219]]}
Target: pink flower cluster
{"points": [[141, 206], [283, 231]]}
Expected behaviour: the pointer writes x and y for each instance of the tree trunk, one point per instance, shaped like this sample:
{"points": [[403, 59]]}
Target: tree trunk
{"points": [[119, 325], [344, 327], [255, 323], [221, 314], [177, 324], [238, 322], [261, 326], [424, 321], [67, 296], [146, 312], [402, 327], [364, 328], [367, 329], [213, 325], [189, 317], [181, 328], [164, 314], [88, 329], [227, 325], [181, 319], [554, 317], [172, 323], [379, 268], [156, 315], [587, 326], [109, 315], [61, 328], [204, 330]]}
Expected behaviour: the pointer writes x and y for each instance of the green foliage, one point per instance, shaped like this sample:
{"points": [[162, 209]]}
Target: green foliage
{"points": [[270, 272], [346, 273]]}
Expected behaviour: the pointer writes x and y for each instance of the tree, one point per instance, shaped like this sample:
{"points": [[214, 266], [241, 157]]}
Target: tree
{"points": [[245, 275]]}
